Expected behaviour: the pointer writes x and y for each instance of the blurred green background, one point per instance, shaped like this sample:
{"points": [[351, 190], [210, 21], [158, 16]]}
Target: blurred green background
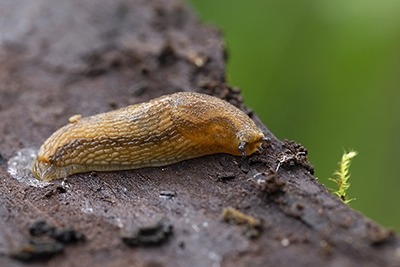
{"points": [[327, 75]]}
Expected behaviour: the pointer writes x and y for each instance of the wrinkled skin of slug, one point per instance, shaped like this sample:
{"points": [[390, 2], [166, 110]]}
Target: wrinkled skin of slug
{"points": [[163, 131]]}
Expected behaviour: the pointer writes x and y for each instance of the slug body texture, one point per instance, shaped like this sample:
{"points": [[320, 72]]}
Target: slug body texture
{"points": [[162, 131]]}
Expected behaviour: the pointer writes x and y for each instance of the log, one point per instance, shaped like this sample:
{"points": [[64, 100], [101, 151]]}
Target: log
{"points": [[60, 58]]}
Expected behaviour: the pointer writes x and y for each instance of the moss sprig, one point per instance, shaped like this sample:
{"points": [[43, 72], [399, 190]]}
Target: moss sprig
{"points": [[342, 176]]}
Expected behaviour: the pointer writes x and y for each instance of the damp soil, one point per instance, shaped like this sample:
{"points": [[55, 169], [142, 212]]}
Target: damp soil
{"points": [[61, 58]]}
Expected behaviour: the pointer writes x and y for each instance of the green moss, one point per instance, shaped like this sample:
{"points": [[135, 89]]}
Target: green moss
{"points": [[342, 176]]}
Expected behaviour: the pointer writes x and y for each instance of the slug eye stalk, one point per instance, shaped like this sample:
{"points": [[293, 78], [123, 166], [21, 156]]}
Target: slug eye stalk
{"points": [[243, 144]]}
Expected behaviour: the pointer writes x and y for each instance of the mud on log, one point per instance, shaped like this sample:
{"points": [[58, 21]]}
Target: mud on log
{"points": [[60, 58]]}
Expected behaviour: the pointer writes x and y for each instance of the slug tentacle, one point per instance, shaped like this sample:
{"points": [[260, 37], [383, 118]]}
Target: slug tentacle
{"points": [[242, 149], [163, 131]]}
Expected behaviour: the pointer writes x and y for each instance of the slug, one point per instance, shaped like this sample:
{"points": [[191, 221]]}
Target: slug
{"points": [[165, 130]]}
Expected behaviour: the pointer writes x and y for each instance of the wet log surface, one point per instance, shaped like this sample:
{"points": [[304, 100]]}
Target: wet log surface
{"points": [[60, 58]]}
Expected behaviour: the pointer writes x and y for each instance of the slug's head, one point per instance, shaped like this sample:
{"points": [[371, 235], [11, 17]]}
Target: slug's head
{"points": [[250, 141]]}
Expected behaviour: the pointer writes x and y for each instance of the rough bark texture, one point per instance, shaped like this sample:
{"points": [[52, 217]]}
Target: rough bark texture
{"points": [[60, 58]]}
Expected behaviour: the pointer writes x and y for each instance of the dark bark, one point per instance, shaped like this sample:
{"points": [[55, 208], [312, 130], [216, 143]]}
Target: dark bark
{"points": [[60, 58]]}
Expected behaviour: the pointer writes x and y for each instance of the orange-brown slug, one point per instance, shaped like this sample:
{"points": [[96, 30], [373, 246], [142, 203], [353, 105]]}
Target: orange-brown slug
{"points": [[163, 131]]}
